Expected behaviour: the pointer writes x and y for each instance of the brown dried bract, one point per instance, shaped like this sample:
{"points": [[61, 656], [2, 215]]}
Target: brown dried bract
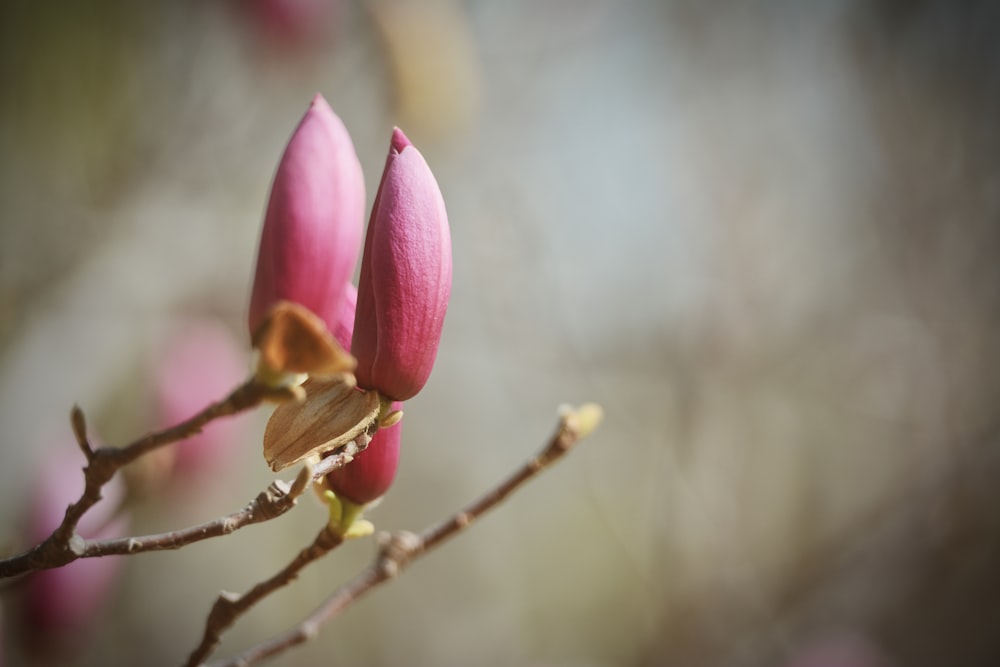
{"points": [[333, 414], [292, 339]]}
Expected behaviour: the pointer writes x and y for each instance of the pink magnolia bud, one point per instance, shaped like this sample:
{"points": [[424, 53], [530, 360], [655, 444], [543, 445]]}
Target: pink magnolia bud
{"points": [[405, 277], [201, 363], [64, 600], [371, 473], [312, 229], [344, 329]]}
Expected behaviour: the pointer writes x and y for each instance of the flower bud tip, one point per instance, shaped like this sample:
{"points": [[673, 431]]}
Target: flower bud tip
{"points": [[399, 140]]}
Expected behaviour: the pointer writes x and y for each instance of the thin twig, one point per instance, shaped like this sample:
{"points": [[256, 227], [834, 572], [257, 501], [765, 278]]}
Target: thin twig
{"points": [[229, 607], [400, 549], [64, 545], [340, 457], [78, 422], [269, 504]]}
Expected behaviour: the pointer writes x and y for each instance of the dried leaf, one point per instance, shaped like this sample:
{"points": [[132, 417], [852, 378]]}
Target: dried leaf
{"points": [[333, 414], [294, 340]]}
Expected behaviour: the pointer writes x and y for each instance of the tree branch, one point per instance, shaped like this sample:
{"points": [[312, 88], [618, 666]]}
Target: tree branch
{"points": [[64, 545], [229, 607], [269, 504], [400, 549]]}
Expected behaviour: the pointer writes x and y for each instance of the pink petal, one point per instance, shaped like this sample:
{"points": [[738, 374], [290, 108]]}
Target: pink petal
{"points": [[312, 229], [343, 332]]}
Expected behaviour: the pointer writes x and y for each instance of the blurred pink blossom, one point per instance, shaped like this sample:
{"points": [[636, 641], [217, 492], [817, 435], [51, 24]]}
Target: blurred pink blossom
{"points": [[63, 601], [292, 24], [201, 363]]}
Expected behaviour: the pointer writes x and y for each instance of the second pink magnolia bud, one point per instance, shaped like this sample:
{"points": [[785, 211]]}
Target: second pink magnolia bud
{"points": [[405, 277], [370, 474]]}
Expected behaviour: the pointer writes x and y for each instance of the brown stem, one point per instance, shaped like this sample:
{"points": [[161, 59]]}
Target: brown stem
{"points": [[399, 550], [229, 607], [64, 545], [270, 503]]}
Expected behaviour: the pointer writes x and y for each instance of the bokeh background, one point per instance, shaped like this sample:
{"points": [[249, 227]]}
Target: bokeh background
{"points": [[765, 236]]}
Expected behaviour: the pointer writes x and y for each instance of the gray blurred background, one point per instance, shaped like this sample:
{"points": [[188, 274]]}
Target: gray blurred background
{"points": [[764, 236]]}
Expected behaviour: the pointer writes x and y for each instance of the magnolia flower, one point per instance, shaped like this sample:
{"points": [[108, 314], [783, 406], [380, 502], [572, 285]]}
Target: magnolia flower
{"points": [[401, 303], [405, 277], [64, 600], [312, 228]]}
